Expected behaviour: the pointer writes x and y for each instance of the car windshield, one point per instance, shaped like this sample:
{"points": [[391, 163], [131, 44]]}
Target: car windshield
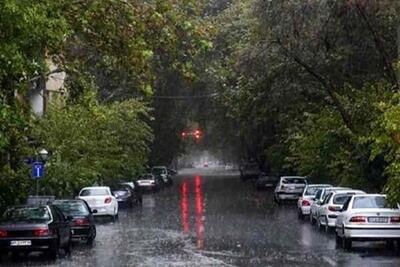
{"points": [[369, 202], [27, 214], [311, 191], [340, 199], [94, 192], [72, 208], [293, 181]]}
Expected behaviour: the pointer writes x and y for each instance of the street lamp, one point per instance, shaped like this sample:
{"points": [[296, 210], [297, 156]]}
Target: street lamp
{"points": [[43, 154]]}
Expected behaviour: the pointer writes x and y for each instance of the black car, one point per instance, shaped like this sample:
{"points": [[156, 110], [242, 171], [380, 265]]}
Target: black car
{"points": [[83, 225], [266, 182], [126, 196], [34, 228]]}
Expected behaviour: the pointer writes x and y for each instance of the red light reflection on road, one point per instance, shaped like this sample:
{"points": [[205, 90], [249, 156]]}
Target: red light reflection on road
{"points": [[199, 212], [185, 207]]}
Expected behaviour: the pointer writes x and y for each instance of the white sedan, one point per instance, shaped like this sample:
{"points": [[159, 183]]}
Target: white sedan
{"points": [[366, 218], [332, 206], [101, 199], [307, 198]]}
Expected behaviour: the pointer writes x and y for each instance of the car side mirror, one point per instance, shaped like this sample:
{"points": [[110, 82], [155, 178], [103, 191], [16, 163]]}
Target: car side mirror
{"points": [[94, 211]]}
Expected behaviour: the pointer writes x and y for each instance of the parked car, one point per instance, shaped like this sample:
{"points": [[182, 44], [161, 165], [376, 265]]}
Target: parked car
{"points": [[83, 225], [100, 200], [319, 198], [249, 170], [332, 206], [125, 195], [162, 172], [366, 218], [289, 188], [136, 189], [149, 182], [34, 228], [307, 198], [264, 181]]}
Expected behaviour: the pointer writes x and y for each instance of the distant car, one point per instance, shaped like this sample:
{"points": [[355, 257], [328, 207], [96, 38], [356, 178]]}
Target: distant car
{"points": [[149, 182], [136, 188], [264, 182], [366, 218], [289, 188], [249, 170], [307, 198], [319, 198], [125, 195], [100, 200], [332, 206], [34, 228], [228, 166], [162, 172], [83, 225]]}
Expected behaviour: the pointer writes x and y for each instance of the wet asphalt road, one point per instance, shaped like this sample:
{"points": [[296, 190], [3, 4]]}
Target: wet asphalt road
{"points": [[211, 218]]}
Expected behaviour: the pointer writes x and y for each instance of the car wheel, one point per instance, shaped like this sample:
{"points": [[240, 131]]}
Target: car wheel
{"points": [[312, 221], [92, 236], [67, 247], [300, 215], [338, 240], [326, 225], [346, 243], [390, 244], [319, 223], [54, 251]]}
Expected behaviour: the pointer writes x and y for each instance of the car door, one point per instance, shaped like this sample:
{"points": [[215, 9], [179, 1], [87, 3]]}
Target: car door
{"points": [[63, 225], [324, 204]]}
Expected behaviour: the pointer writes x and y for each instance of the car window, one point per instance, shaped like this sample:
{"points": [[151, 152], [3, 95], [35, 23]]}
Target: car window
{"points": [[293, 181], [30, 213], [340, 198], [311, 191], [369, 202], [318, 194], [346, 204], [72, 208], [94, 192], [327, 198]]}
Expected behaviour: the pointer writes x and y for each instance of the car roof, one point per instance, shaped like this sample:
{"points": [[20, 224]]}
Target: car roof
{"points": [[319, 185], [358, 192], [159, 167], [296, 177], [96, 187], [369, 195]]}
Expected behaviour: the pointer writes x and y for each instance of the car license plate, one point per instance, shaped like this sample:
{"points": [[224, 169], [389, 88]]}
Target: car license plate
{"points": [[377, 219], [16, 243]]}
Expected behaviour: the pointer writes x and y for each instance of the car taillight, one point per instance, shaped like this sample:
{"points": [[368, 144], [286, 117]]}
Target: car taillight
{"points": [[41, 232], [305, 202], [3, 233], [358, 219], [107, 200], [395, 219], [81, 222], [333, 208]]}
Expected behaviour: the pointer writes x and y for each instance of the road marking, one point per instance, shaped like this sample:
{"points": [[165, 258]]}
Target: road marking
{"points": [[329, 260]]}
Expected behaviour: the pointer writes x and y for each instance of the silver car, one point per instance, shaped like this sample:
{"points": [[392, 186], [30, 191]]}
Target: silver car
{"points": [[307, 198], [319, 198], [289, 188], [366, 218]]}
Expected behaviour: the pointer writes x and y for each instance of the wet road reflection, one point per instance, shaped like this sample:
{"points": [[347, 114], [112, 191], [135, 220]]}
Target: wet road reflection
{"points": [[213, 220]]}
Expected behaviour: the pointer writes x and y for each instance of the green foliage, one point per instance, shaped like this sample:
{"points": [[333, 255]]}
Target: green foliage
{"points": [[92, 142]]}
